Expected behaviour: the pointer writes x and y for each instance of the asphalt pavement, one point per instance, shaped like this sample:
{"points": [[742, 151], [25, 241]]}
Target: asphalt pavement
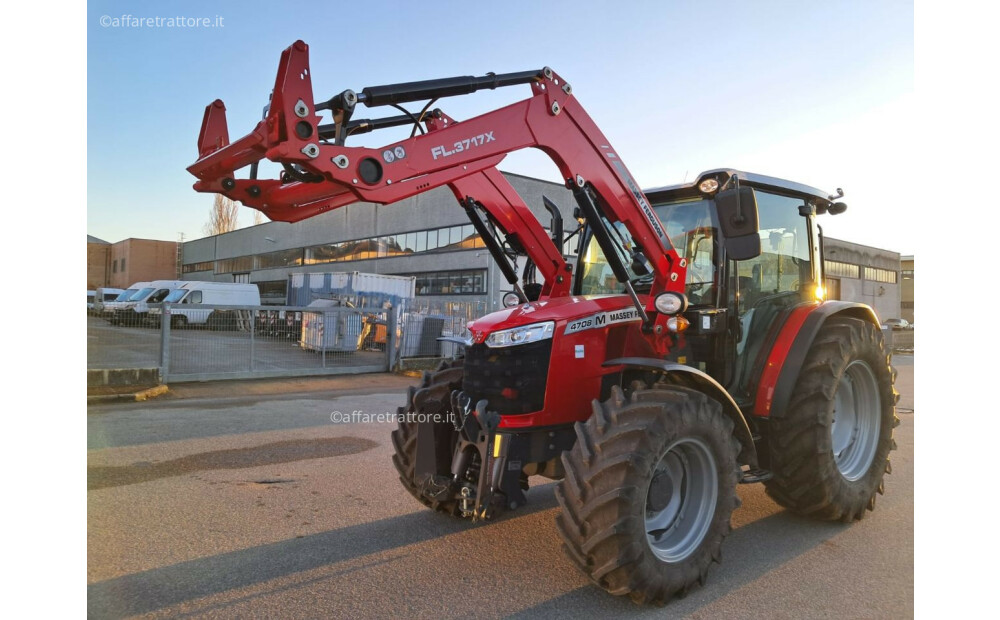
{"points": [[260, 500]]}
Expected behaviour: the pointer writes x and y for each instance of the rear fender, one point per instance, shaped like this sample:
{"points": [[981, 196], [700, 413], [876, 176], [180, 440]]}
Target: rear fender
{"points": [[692, 377], [796, 356]]}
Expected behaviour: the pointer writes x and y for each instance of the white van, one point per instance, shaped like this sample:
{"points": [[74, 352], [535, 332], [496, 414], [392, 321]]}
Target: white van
{"points": [[119, 302], [104, 296], [186, 301], [135, 310]]}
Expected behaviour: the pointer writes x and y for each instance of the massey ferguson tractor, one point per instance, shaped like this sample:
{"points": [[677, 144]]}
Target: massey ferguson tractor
{"points": [[686, 349]]}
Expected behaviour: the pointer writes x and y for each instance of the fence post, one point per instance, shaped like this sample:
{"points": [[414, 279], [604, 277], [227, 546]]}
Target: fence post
{"points": [[253, 328], [390, 338], [165, 342]]}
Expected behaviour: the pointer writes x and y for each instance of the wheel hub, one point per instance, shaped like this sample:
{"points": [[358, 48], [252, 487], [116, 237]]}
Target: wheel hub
{"points": [[857, 420], [680, 499]]}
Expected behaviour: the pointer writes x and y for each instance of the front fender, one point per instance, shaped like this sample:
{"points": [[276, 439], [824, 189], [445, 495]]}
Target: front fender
{"points": [[692, 377]]}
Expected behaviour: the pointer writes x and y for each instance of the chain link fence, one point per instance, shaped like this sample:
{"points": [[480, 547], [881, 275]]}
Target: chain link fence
{"points": [[203, 342]]}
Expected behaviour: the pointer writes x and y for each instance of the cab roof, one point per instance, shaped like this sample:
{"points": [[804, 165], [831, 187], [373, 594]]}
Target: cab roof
{"points": [[725, 175]]}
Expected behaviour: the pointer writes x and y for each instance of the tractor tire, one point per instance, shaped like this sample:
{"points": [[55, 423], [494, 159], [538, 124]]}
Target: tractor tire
{"points": [[433, 394], [639, 469], [830, 451]]}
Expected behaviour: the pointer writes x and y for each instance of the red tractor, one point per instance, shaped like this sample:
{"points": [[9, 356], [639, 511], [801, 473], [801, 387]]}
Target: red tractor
{"points": [[687, 349]]}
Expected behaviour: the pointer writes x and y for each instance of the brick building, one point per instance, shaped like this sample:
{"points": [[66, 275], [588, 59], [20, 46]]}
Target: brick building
{"points": [[120, 264]]}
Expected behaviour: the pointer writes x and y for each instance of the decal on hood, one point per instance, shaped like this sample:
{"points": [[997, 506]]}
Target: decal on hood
{"points": [[603, 319]]}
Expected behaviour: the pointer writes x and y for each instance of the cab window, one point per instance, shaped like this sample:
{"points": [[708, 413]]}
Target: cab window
{"points": [[597, 277], [783, 268], [692, 228]]}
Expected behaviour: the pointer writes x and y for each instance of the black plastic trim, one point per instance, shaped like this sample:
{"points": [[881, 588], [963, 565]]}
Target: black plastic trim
{"points": [[748, 455]]}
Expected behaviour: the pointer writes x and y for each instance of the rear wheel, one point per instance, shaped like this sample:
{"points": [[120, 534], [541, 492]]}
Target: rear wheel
{"points": [[830, 451], [649, 489], [433, 396]]}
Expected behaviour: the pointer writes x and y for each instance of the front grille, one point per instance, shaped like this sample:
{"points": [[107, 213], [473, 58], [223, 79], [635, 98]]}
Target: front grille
{"points": [[512, 379]]}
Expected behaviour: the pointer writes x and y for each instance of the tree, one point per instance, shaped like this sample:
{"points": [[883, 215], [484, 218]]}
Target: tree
{"points": [[223, 216]]}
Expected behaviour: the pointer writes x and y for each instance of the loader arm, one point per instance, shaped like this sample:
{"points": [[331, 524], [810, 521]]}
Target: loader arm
{"points": [[322, 173]]}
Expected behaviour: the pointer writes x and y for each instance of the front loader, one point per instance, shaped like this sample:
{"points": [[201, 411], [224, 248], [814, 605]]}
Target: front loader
{"points": [[686, 349]]}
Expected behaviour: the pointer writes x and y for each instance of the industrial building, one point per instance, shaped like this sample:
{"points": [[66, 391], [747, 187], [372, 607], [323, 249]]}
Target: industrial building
{"points": [[430, 238], [117, 265]]}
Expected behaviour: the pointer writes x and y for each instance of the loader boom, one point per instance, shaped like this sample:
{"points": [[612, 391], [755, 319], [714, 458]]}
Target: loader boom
{"points": [[323, 173]]}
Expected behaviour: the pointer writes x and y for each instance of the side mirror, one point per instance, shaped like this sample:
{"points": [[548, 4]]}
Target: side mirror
{"points": [[737, 211]]}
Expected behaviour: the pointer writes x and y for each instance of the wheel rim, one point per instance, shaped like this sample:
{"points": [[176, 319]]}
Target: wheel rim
{"points": [[680, 500], [857, 420]]}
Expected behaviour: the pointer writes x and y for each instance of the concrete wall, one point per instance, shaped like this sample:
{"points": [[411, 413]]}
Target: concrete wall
{"points": [[906, 289], [884, 297]]}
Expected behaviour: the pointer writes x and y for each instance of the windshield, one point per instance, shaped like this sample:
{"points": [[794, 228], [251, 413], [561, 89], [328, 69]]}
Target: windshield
{"points": [[693, 230], [596, 275], [141, 294], [175, 295], [125, 295]]}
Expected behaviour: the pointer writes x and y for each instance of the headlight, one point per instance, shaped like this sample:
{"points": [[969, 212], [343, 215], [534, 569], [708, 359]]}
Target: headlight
{"points": [[670, 303], [511, 299], [521, 335]]}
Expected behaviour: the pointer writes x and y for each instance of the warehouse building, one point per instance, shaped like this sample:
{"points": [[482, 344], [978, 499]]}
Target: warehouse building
{"points": [[430, 238]]}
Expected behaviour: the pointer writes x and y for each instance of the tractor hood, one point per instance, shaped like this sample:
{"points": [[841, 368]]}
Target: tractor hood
{"points": [[563, 310]]}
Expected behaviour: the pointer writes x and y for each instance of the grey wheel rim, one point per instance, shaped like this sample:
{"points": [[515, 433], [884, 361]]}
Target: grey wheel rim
{"points": [[680, 500], [857, 420]]}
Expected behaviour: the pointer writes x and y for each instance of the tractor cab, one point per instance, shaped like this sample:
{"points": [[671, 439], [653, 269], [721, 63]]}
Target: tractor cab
{"points": [[753, 253]]}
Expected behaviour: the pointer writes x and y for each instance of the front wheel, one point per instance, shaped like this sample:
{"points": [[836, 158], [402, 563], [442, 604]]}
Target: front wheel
{"points": [[430, 398], [830, 451], [649, 490]]}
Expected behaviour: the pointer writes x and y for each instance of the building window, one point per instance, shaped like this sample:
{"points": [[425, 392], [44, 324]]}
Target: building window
{"points": [[448, 239], [232, 265], [880, 275], [204, 266], [279, 259], [841, 270], [907, 274], [123, 264], [470, 282], [114, 266]]}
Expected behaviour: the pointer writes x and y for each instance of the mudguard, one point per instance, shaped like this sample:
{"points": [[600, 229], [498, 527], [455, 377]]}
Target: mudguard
{"points": [[708, 385], [791, 365]]}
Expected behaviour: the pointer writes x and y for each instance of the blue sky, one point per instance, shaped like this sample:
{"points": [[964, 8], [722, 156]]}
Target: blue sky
{"points": [[821, 93]]}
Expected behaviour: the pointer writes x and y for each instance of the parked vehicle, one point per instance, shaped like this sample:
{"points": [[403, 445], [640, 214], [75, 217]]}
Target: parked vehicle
{"points": [[897, 324], [189, 298], [91, 297], [135, 310], [110, 307], [104, 296]]}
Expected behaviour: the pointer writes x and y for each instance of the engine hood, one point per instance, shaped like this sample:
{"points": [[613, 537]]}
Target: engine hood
{"points": [[561, 310]]}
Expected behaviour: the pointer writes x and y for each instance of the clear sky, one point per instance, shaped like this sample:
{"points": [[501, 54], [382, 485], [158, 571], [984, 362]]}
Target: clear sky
{"points": [[819, 93]]}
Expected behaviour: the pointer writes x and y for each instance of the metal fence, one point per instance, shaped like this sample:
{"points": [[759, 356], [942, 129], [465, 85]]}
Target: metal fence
{"points": [[202, 342]]}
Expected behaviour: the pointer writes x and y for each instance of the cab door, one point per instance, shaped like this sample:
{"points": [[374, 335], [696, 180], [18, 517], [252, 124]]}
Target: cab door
{"points": [[763, 290]]}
